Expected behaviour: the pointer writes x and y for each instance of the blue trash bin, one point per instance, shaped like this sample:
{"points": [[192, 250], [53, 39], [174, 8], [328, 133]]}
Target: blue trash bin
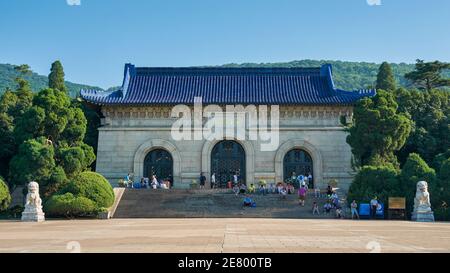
{"points": [[364, 210]]}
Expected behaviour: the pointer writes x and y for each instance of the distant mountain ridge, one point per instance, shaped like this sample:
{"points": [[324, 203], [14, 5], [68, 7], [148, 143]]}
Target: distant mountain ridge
{"points": [[346, 75], [8, 75]]}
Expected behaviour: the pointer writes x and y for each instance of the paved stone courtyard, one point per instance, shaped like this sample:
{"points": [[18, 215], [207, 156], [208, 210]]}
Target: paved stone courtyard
{"points": [[223, 235]]}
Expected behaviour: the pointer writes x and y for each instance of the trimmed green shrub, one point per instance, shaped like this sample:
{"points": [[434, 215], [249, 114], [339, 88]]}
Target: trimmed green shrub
{"points": [[93, 186], [56, 182], [5, 197], [380, 181], [68, 205]]}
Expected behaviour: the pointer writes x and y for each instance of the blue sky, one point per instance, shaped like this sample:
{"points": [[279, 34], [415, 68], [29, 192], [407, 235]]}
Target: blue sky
{"points": [[96, 38]]}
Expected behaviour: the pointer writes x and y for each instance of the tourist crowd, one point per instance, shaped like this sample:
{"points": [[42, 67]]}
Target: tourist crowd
{"points": [[146, 183], [304, 183]]}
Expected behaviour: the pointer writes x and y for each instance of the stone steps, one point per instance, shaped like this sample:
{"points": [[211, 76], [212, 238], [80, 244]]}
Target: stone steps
{"points": [[147, 203]]}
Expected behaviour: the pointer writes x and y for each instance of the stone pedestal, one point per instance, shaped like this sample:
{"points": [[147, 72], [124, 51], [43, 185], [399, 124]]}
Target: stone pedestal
{"points": [[423, 217], [33, 216]]}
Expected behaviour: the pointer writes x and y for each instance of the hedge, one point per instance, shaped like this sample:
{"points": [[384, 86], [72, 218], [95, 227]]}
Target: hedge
{"points": [[92, 186], [5, 197], [380, 181], [69, 205]]}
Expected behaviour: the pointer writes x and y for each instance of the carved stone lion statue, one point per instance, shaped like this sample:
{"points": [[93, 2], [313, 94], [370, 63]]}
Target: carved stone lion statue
{"points": [[33, 197], [33, 204], [422, 200]]}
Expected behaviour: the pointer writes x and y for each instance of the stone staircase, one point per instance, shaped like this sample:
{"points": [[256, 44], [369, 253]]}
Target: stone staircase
{"points": [[178, 203]]}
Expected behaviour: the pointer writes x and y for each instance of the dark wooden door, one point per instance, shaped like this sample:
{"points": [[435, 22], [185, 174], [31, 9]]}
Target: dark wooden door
{"points": [[299, 162], [228, 158], [158, 162]]}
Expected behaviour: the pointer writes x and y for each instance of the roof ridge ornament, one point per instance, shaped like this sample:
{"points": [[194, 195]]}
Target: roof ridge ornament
{"points": [[130, 70], [326, 70]]}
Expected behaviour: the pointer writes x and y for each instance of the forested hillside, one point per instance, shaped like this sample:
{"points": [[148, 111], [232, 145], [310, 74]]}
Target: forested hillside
{"points": [[8, 75], [347, 75]]}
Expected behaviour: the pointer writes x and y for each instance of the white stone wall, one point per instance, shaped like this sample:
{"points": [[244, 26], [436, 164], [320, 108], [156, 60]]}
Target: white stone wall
{"points": [[128, 134]]}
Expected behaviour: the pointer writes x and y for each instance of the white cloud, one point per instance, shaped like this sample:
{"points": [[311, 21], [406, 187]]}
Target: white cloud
{"points": [[374, 2], [73, 2]]}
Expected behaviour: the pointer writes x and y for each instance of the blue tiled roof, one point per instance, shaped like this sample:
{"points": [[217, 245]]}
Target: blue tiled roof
{"points": [[217, 85]]}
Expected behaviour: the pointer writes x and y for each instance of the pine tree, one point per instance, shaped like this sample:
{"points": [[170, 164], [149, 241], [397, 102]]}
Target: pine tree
{"points": [[378, 130], [428, 76], [56, 77], [385, 78]]}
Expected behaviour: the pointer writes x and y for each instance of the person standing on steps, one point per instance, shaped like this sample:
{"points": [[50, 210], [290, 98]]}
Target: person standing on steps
{"points": [[354, 207], [329, 191], [300, 178], [202, 181], [154, 182], [373, 207], [302, 195], [213, 181], [235, 179], [310, 181], [316, 208]]}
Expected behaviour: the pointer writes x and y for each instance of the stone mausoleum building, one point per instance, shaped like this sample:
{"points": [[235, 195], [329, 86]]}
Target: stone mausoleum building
{"points": [[135, 133]]}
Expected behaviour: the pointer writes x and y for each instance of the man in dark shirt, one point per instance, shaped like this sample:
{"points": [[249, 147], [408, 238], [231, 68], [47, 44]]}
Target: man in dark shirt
{"points": [[202, 181]]}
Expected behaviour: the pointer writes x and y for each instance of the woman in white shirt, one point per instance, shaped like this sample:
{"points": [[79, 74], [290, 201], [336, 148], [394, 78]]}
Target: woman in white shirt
{"points": [[213, 180], [154, 182]]}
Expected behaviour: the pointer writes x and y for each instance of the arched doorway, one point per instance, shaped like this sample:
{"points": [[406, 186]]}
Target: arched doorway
{"points": [[159, 162], [297, 161], [228, 158]]}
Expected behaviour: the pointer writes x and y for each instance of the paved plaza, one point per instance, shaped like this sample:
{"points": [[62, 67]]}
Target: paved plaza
{"points": [[223, 235]]}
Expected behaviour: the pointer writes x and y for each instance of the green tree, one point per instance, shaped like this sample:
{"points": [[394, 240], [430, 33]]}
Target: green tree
{"points": [[370, 181], [34, 162], [440, 195], [23, 92], [56, 77], [429, 111], [429, 75], [93, 122], [47, 130], [7, 147], [378, 130], [56, 181], [75, 129], [385, 78], [24, 97], [76, 159], [5, 197], [56, 106], [444, 173], [23, 69], [29, 125], [8, 102], [440, 158]]}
